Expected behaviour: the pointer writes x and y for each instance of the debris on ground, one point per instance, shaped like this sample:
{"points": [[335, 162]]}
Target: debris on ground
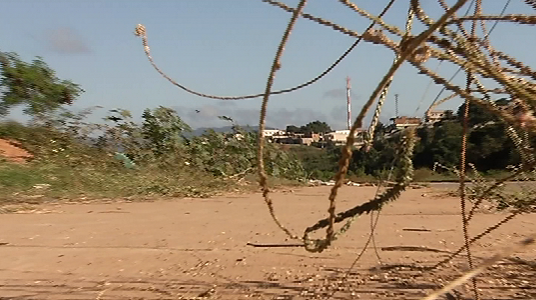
{"points": [[316, 182]]}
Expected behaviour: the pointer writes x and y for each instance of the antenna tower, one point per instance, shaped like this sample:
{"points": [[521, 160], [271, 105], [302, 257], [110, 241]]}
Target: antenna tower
{"points": [[396, 106], [348, 103]]}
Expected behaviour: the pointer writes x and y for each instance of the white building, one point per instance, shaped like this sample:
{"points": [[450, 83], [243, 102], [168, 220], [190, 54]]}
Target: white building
{"points": [[435, 116], [406, 122], [339, 136], [273, 132]]}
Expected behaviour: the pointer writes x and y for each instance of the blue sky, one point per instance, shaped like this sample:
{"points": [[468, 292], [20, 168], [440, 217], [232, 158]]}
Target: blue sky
{"points": [[226, 48]]}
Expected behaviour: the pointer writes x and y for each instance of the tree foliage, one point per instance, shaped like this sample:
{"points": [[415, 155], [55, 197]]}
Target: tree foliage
{"points": [[163, 129], [33, 85], [159, 140], [488, 147], [311, 127], [156, 146], [478, 115], [318, 163]]}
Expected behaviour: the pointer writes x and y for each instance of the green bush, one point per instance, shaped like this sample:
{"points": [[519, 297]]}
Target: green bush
{"points": [[75, 158]]}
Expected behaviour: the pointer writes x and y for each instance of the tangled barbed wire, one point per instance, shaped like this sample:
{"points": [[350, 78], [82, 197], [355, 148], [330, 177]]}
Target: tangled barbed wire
{"points": [[438, 41]]}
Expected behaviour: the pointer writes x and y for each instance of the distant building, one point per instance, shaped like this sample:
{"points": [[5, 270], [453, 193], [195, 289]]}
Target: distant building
{"points": [[435, 116], [272, 132], [297, 138], [339, 137], [308, 139], [405, 122]]}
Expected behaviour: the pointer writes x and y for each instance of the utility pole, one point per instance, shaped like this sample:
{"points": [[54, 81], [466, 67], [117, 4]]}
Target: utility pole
{"points": [[396, 105], [348, 103]]}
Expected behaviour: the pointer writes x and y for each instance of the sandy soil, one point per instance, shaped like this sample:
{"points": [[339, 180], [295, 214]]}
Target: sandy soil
{"points": [[187, 248], [11, 152]]}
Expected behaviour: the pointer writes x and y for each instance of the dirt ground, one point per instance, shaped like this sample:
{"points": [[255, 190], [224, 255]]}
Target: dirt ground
{"points": [[11, 152], [197, 248]]}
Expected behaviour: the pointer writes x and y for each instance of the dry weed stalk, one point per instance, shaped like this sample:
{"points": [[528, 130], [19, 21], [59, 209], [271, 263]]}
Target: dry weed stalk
{"points": [[376, 117], [470, 53], [462, 50], [463, 155], [404, 176], [525, 243], [276, 65], [410, 46]]}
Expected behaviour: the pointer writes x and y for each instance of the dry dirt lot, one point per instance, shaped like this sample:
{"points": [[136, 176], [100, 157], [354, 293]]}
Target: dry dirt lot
{"points": [[187, 248]]}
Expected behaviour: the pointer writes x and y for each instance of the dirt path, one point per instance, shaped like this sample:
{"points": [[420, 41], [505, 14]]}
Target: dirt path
{"points": [[189, 248]]}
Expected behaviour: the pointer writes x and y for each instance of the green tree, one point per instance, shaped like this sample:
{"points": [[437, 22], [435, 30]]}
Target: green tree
{"points": [[163, 129], [490, 148], [378, 158], [124, 135], [293, 129], [449, 116], [316, 127], [33, 85], [380, 131], [445, 146], [319, 163], [422, 154], [479, 115]]}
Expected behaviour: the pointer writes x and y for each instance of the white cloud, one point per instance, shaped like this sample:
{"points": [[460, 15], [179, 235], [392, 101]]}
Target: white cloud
{"points": [[207, 116]]}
